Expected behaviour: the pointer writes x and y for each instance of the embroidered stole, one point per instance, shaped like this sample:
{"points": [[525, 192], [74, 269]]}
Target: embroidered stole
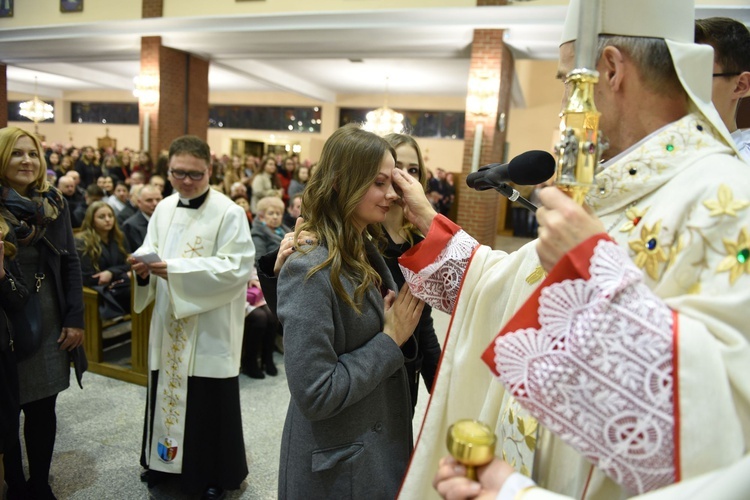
{"points": [[186, 238]]}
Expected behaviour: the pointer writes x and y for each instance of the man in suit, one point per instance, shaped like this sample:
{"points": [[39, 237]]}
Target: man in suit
{"points": [[131, 206], [136, 225], [67, 187]]}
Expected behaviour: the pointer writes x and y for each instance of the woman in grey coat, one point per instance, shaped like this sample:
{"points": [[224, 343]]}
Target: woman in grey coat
{"points": [[348, 427]]}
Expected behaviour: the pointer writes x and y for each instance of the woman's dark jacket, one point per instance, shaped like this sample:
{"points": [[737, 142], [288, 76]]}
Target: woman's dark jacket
{"points": [[428, 354], [111, 259], [13, 296], [63, 263]]}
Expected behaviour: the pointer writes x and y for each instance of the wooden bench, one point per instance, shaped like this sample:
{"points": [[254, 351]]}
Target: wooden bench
{"points": [[137, 371]]}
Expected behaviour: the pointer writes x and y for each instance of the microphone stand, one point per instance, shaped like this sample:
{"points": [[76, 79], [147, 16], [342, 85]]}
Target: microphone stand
{"points": [[505, 190], [514, 195]]}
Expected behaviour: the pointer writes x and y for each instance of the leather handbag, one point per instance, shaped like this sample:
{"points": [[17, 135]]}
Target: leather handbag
{"points": [[115, 299], [27, 328]]}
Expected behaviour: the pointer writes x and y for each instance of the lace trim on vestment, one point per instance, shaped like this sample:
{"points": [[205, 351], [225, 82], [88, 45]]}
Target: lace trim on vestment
{"points": [[598, 373], [438, 284]]}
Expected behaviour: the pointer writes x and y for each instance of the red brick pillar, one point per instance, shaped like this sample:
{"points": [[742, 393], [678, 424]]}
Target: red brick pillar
{"points": [[3, 96], [181, 106], [482, 214]]}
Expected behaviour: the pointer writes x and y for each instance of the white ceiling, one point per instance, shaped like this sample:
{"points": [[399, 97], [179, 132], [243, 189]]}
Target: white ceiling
{"points": [[421, 51]]}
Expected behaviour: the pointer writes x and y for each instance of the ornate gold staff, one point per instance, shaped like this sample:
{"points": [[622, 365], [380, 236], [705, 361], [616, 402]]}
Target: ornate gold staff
{"points": [[579, 149]]}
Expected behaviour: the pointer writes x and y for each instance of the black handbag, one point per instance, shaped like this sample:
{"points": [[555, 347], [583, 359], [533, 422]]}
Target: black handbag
{"points": [[27, 322], [115, 301]]}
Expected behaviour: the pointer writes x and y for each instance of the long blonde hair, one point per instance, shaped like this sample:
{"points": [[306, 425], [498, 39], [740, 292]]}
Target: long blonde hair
{"points": [[8, 138], [349, 164], [90, 242]]}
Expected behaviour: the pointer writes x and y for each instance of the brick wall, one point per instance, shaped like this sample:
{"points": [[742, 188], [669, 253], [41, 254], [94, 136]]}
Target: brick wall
{"points": [[197, 105], [479, 212], [183, 94]]}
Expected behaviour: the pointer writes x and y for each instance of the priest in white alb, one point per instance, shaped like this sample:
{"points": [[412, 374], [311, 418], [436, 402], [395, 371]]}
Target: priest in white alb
{"points": [[195, 263], [627, 369]]}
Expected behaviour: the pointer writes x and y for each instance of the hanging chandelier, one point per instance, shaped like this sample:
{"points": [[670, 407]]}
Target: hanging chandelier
{"points": [[36, 110], [384, 120]]}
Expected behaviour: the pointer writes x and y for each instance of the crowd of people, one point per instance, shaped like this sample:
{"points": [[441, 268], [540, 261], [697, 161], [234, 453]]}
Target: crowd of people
{"points": [[598, 381]]}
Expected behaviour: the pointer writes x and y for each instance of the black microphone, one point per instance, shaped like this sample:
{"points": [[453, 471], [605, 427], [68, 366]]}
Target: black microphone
{"points": [[526, 169]]}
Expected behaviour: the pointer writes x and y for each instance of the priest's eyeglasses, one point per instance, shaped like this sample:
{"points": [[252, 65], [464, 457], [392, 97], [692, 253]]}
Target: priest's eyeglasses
{"points": [[732, 73], [181, 174]]}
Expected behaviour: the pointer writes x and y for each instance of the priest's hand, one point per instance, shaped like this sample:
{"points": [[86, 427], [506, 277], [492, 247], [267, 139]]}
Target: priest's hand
{"points": [[139, 268], [452, 484], [158, 269], [563, 225], [417, 208]]}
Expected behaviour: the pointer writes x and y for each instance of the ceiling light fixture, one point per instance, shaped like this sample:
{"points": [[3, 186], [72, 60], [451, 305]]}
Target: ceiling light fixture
{"points": [[384, 120], [36, 110]]}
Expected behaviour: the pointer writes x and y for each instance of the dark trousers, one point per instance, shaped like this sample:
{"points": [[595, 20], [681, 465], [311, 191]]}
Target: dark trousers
{"points": [[259, 339]]}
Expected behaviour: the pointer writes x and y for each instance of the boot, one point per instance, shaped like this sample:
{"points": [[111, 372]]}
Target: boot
{"points": [[250, 365], [40, 490], [269, 342]]}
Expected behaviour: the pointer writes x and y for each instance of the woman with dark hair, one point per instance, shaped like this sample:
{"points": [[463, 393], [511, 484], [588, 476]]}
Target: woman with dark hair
{"points": [[265, 183], [124, 167], [38, 215], [348, 426], [301, 176]]}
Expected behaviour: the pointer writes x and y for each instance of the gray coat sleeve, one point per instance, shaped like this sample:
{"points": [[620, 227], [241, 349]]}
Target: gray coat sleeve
{"points": [[334, 357]]}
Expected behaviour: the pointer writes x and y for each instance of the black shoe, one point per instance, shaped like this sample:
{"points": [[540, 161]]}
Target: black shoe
{"points": [[214, 493], [271, 369], [152, 477], [254, 373], [40, 491], [19, 492]]}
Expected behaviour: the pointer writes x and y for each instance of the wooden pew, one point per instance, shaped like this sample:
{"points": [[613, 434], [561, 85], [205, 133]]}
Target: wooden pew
{"points": [[137, 373]]}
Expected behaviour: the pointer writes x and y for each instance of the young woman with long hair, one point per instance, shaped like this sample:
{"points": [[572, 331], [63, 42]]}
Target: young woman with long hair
{"points": [[103, 251], [348, 426]]}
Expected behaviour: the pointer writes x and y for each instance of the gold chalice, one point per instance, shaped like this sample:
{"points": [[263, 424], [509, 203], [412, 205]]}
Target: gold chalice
{"points": [[471, 443]]}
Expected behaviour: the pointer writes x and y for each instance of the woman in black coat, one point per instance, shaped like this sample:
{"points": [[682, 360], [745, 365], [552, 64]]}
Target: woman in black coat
{"points": [[13, 295], [39, 217]]}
